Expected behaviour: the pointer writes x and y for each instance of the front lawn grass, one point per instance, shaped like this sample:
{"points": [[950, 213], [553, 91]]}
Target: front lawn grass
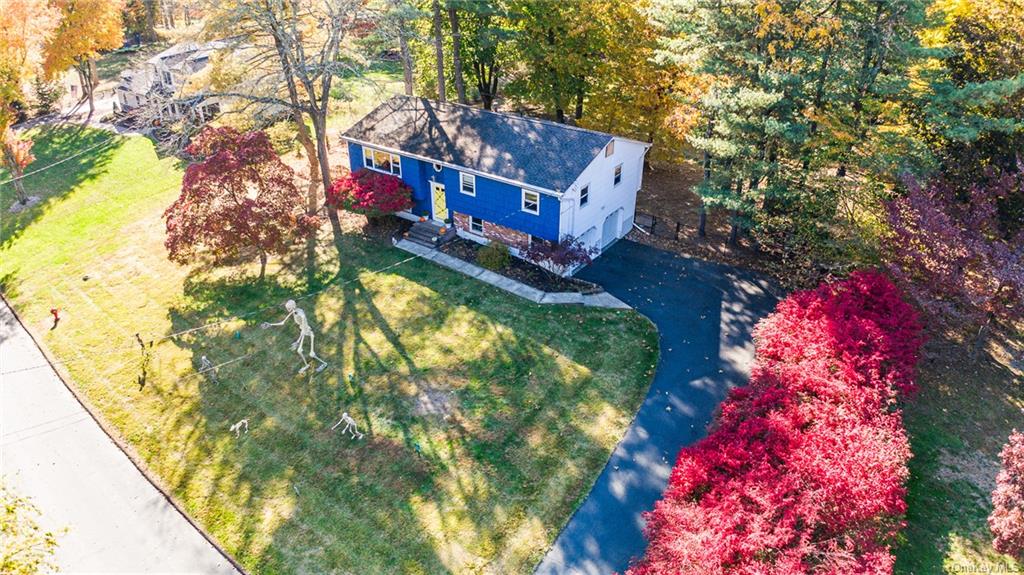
{"points": [[487, 418]]}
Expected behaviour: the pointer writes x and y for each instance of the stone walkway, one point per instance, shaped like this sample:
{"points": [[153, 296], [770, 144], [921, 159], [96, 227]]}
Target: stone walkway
{"points": [[510, 285]]}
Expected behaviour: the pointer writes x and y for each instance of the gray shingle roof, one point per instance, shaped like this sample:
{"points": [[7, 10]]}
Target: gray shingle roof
{"points": [[535, 152]]}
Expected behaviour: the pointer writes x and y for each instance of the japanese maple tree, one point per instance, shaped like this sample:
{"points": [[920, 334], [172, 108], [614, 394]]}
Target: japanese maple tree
{"points": [[1007, 518], [370, 193], [561, 256], [954, 256], [237, 198]]}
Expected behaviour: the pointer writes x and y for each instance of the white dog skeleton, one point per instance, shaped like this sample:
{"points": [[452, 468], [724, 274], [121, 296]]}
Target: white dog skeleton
{"points": [[237, 428], [304, 331], [350, 425]]}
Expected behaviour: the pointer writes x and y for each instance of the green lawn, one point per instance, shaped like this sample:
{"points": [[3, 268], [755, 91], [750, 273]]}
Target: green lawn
{"points": [[486, 417], [958, 422]]}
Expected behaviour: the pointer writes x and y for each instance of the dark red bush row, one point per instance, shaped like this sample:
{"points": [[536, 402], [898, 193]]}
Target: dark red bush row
{"points": [[804, 468]]}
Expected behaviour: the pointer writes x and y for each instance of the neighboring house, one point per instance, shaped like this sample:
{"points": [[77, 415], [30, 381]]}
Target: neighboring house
{"points": [[160, 81], [500, 176]]}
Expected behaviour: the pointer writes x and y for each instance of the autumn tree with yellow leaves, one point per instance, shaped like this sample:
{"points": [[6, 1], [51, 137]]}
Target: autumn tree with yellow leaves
{"points": [[87, 28]]}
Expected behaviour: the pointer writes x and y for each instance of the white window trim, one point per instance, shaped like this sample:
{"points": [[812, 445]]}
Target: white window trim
{"points": [[609, 150], [585, 198], [617, 175], [522, 203], [396, 160], [438, 167], [463, 177], [472, 229]]}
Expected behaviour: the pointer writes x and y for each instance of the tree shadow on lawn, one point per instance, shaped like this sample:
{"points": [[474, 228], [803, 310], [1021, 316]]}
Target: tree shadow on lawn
{"points": [[54, 144], [958, 422], [422, 491]]}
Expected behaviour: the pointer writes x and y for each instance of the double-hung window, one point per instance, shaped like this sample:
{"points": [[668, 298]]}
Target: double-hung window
{"points": [[476, 225], [618, 175], [531, 202], [584, 196], [382, 161], [467, 184]]}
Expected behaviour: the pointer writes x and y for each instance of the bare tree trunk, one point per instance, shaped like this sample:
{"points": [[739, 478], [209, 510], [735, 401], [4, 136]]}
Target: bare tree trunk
{"points": [[439, 52], [581, 92], [403, 47], [263, 265], [703, 212], [17, 172], [320, 127], [460, 85], [87, 75]]}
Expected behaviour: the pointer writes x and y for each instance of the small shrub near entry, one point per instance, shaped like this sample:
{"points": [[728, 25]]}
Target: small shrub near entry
{"points": [[494, 256]]}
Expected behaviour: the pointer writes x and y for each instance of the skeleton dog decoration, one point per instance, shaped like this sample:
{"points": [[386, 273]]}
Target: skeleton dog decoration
{"points": [[350, 426], [304, 331], [238, 427]]}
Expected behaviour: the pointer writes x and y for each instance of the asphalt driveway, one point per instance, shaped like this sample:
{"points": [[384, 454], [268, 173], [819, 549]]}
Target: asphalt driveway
{"points": [[704, 313]]}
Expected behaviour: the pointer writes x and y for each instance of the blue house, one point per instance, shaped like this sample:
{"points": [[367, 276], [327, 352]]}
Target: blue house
{"points": [[500, 176]]}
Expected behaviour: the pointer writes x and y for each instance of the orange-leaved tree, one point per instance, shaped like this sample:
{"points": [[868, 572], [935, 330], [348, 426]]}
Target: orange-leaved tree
{"points": [[87, 28]]}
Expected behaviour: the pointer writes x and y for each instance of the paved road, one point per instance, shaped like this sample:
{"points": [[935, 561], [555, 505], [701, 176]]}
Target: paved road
{"points": [[704, 313], [52, 451]]}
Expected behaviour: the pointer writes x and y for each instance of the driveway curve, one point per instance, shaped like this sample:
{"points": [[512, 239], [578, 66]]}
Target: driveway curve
{"points": [[704, 313]]}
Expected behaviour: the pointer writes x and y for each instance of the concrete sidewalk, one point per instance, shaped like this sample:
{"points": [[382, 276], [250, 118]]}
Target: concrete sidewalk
{"points": [[52, 451]]}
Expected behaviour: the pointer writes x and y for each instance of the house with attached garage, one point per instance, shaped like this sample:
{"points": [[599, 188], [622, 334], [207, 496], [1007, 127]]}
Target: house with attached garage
{"points": [[502, 177]]}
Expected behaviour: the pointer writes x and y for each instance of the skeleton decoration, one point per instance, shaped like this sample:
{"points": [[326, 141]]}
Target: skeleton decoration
{"points": [[350, 426], [207, 368], [304, 331], [238, 427]]}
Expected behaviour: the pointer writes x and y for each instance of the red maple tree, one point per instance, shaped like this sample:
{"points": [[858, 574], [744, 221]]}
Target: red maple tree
{"points": [[1007, 518], [370, 193], [237, 198], [804, 468]]}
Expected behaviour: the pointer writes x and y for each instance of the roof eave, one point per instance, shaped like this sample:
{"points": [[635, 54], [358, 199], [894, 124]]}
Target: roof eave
{"points": [[519, 183]]}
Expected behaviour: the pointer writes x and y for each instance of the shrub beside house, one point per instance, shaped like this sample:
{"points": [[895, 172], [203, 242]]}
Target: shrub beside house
{"points": [[804, 469]]}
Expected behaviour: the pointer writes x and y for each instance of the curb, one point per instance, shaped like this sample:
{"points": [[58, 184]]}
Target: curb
{"points": [[121, 445]]}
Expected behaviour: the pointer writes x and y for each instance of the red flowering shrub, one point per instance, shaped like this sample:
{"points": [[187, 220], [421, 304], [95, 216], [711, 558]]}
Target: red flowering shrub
{"points": [[561, 256], [1007, 519], [803, 469], [370, 193]]}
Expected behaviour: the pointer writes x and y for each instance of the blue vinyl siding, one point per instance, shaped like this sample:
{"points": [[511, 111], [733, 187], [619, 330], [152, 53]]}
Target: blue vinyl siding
{"points": [[495, 202]]}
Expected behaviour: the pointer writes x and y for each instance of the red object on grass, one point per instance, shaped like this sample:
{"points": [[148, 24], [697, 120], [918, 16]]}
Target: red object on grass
{"points": [[56, 314]]}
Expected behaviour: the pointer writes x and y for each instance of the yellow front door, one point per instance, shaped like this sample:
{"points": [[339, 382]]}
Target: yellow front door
{"points": [[440, 207]]}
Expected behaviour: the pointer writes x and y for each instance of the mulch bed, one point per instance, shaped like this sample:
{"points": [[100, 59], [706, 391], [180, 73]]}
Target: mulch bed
{"points": [[519, 270]]}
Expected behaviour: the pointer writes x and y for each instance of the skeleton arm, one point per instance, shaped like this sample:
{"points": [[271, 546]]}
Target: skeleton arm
{"points": [[265, 324]]}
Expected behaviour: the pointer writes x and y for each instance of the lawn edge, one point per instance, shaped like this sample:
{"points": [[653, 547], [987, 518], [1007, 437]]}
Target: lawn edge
{"points": [[122, 445], [632, 420]]}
